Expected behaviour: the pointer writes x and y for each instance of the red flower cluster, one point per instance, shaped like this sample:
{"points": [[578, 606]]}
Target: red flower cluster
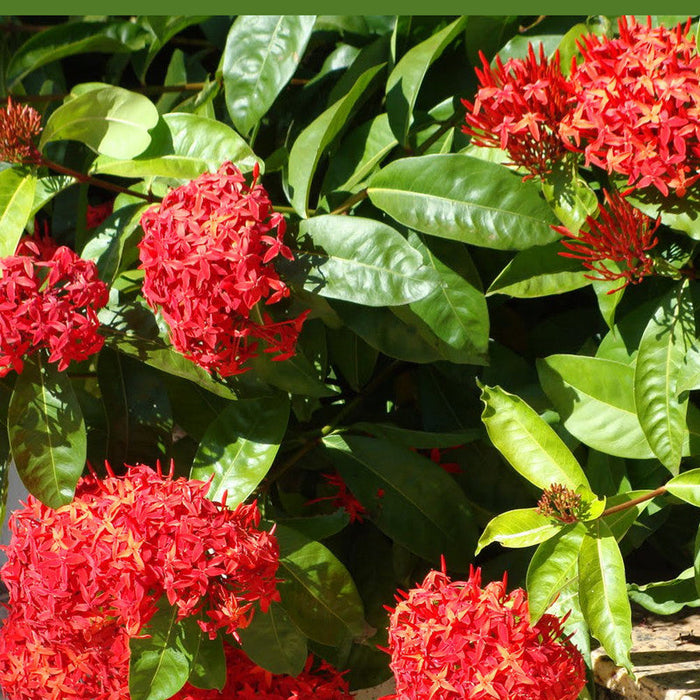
{"points": [[49, 298], [207, 257], [518, 108], [247, 681], [622, 233], [561, 503], [636, 105], [86, 577], [19, 127], [454, 640], [343, 498], [97, 213]]}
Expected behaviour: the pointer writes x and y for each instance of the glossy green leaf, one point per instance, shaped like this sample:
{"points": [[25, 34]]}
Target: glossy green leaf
{"points": [[567, 607], [160, 657], [420, 506], [553, 565], [183, 147], [47, 432], [318, 527], [539, 272], [528, 443], [679, 213], [359, 260], [354, 358], [418, 439], [609, 295], [71, 38], [571, 199], [315, 139], [662, 350], [47, 188], [16, 199], [295, 375], [406, 79], [110, 120], [667, 597], [456, 311], [603, 593], [463, 198], [595, 399], [262, 53], [686, 486], [239, 447], [317, 592], [523, 527], [689, 373], [208, 664], [274, 642]]}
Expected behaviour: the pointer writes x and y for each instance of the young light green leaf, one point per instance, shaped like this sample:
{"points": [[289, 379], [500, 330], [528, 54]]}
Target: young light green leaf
{"points": [[274, 642], [16, 199], [539, 272], [317, 591], [686, 486], [313, 141], [595, 399], [239, 447], [528, 443], [603, 593], [405, 80], [662, 349], [110, 120], [262, 53], [47, 432], [570, 197], [465, 199], [553, 565], [523, 527]]}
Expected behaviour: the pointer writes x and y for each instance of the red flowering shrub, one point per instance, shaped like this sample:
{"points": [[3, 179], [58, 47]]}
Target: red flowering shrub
{"points": [[518, 108], [636, 105], [343, 498], [455, 640], [49, 298], [247, 681], [19, 127], [97, 213], [207, 254], [621, 233], [86, 577]]}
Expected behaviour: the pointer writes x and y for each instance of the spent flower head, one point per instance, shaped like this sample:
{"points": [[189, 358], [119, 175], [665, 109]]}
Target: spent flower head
{"points": [[451, 640], [561, 503], [207, 258], [19, 127]]}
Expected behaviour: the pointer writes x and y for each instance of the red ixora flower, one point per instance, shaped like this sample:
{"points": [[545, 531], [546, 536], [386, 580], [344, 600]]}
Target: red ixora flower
{"points": [[454, 640], [622, 234], [518, 108], [247, 681], [97, 213], [636, 105], [19, 127], [343, 498], [207, 254], [86, 577], [49, 298]]}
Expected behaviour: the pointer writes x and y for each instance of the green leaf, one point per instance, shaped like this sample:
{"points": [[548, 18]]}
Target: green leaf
{"points": [[686, 486], [621, 521], [405, 80], [679, 213], [110, 120], [689, 373], [523, 527], [16, 199], [262, 53], [295, 375], [160, 662], [456, 311], [608, 296], [359, 260], [239, 447], [528, 443], [183, 147], [418, 439], [47, 432], [274, 642], [419, 507], [539, 272], [317, 591], [71, 38], [667, 597], [47, 188], [568, 604], [603, 593], [354, 358], [595, 399], [208, 665], [313, 141], [463, 198], [662, 350], [553, 565], [570, 197]]}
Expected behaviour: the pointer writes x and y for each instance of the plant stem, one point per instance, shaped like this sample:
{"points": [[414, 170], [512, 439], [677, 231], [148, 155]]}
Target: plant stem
{"points": [[97, 182], [351, 201], [635, 501]]}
